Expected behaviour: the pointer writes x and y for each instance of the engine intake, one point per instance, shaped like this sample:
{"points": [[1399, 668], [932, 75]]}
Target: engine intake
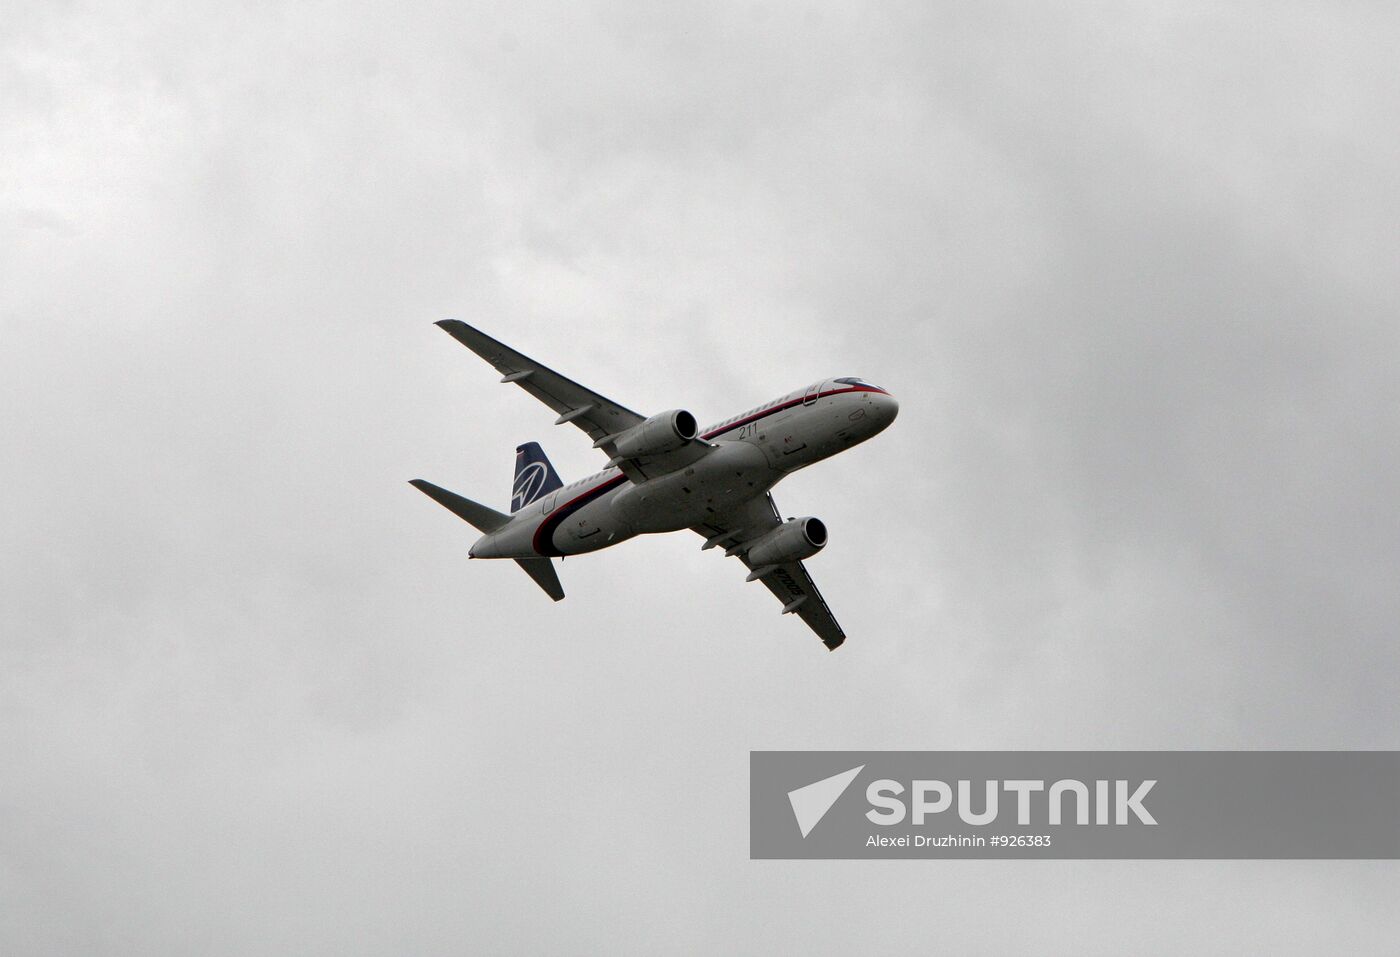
{"points": [[792, 541], [663, 432]]}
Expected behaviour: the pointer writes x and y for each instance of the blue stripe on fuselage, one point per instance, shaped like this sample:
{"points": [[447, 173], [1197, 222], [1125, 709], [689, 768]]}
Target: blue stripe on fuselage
{"points": [[543, 541]]}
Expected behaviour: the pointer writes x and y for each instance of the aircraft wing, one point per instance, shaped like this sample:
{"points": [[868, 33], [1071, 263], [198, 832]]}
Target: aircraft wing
{"points": [[790, 583], [597, 415]]}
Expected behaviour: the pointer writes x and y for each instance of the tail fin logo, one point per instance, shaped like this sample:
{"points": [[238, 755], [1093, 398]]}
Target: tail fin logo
{"points": [[529, 483], [534, 476]]}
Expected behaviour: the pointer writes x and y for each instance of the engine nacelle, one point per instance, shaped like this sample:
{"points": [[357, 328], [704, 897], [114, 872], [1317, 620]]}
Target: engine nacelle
{"points": [[663, 432], [792, 541]]}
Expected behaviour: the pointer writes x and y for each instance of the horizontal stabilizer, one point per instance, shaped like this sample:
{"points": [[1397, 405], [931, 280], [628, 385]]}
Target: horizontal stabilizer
{"points": [[542, 571], [479, 516]]}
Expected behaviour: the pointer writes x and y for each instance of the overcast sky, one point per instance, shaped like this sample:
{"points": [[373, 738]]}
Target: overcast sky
{"points": [[1131, 271]]}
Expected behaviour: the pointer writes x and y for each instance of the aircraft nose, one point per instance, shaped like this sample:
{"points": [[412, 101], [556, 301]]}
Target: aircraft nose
{"points": [[887, 407]]}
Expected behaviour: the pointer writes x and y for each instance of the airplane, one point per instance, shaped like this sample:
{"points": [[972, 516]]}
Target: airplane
{"points": [[665, 474]]}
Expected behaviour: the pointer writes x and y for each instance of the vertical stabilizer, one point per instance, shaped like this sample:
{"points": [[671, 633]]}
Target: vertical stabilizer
{"points": [[534, 476]]}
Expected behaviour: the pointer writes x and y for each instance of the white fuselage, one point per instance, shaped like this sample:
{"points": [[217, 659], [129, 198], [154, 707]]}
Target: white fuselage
{"points": [[755, 450]]}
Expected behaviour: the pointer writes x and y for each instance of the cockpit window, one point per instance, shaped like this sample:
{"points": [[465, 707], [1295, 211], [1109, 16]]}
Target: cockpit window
{"points": [[855, 380]]}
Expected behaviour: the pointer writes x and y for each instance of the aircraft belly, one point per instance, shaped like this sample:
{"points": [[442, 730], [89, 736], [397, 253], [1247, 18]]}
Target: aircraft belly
{"points": [[595, 526], [732, 473]]}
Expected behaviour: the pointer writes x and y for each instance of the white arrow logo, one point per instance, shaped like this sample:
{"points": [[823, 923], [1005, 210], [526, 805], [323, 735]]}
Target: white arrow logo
{"points": [[528, 482], [810, 803]]}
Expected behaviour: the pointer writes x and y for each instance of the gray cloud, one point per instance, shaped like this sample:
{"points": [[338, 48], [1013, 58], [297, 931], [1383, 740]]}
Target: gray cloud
{"points": [[1131, 273]]}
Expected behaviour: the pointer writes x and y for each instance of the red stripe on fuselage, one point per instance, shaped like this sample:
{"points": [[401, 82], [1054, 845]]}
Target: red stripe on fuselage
{"points": [[800, 400]]}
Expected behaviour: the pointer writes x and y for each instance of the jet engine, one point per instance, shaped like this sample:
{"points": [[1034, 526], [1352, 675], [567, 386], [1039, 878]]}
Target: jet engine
{"points": [[663, 432], [792, 541]]}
